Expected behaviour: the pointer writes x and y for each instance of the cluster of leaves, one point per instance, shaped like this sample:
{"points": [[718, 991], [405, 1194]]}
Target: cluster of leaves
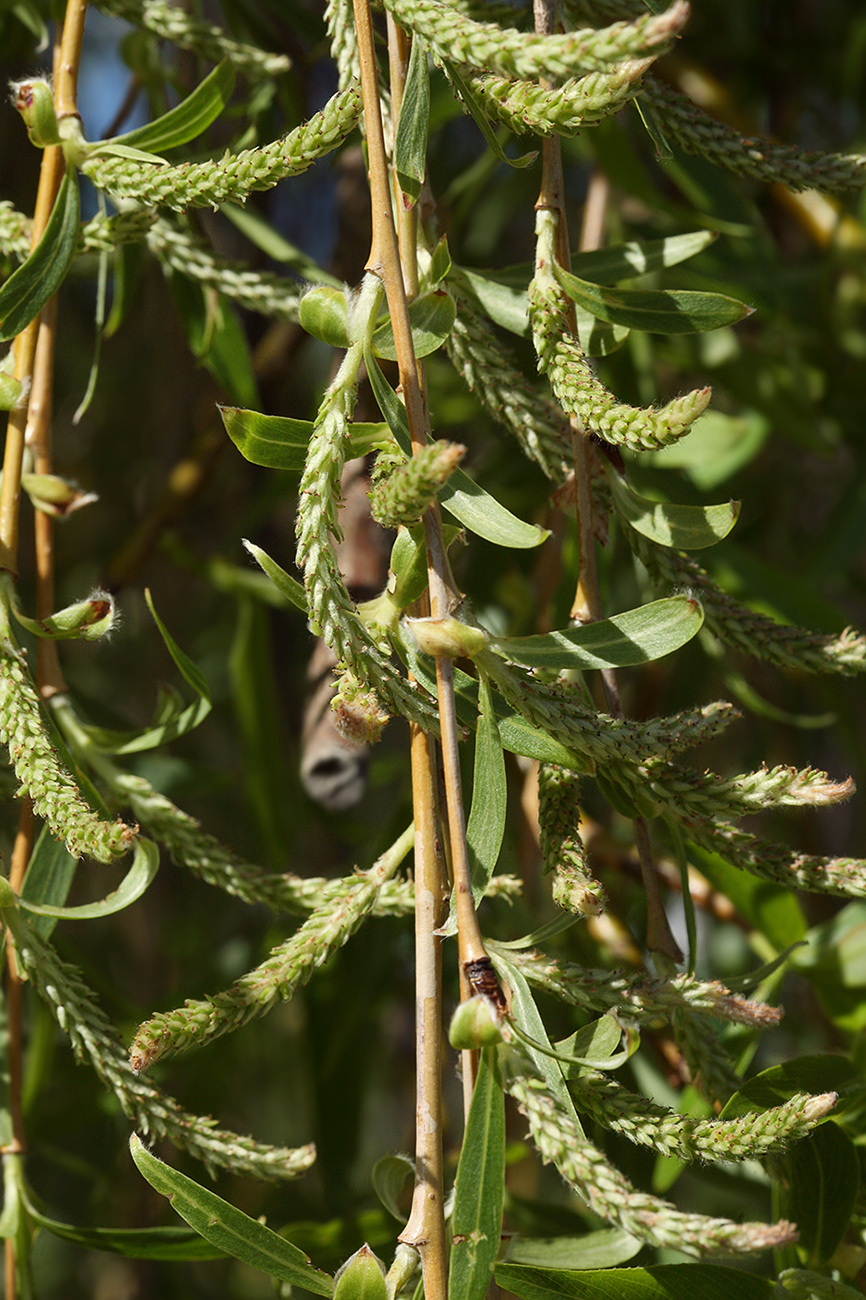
{"points": [[516, 694]]}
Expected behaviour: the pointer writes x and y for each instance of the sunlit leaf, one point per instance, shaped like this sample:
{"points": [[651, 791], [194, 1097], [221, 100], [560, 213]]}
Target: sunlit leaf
{"points": [[285, 585], [658, 311], [278, 442], [635, 637], [145, 864], [476, 1221], [823, 1184], [686, 528], [188, 119], [227, 1228], [602, 1249], [29, 288], [431, 318], [410, 144], [665, 1282], [476, 111]]}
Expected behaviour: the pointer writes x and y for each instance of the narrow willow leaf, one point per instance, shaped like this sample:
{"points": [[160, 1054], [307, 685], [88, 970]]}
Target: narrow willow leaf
{"points": [[285, 585], [431, 318], [665, 1282], [48, 878], [468, 503], [476, 112], [262, 234], [278, 442], [169, 1243], [189, 671], [410, 145], [823, 1185], [812, 1074], [187, 120], [526, 1017], [29, 288], [685, 528], [390, 1175], [597, 1041], [504, 300], [230, 1230], [658, 311], [145, 864], [476, 1220], [635, 637], [602, 1249], [623, 261]]}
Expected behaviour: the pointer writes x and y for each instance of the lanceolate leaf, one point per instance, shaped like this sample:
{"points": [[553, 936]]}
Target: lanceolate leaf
{"points": [[665, 1282], [230, 1230], [145, 865], [604, 1248], [48, 878], [686, 528], [285, 585], [476, 112], [28, 289], [469, 504], [431, 318], [188, 119], [623, 261], [619, 642], [658, 311], [410, 145], [168, 1243], [479, 1188], [277, 442]]}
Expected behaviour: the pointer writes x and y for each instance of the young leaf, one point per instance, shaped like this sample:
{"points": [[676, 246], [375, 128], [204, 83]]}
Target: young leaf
{"points": [[29, 288], [286, 586], [623, 261], [172, 1244], [390, 1175], [410, 145], [479, 117], [431, 317], [665, 1282], [469, 504], [479, 1187], [604, 1248], [230, 1230], [278, 442], [685, 528], [813, 1074], [145, 865], [658, 311], [361, 1278], [635, 637], [48, 878], [191, 674], [187, 120]]}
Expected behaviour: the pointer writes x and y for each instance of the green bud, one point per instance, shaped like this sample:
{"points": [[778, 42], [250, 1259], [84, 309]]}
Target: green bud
{"points": [[54, 495], [447, 638], [7, 893], [11, 390], [324, 314], [88, 619], [361, 1278], [35, 103], [475, 1024]]}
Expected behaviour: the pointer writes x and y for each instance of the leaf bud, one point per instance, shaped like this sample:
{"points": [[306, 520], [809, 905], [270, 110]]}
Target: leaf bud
{"points": [[323, 312], [54, 495], [447, 638], [362, 1277], [475, 1024], [11, 391], [88, 619], [35, 102]]}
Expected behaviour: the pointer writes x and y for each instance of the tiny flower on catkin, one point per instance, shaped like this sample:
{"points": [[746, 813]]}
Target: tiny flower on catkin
{"points": [[359, 716]]}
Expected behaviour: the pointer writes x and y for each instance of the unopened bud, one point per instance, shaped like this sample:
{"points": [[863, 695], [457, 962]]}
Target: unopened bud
{"points": [[54, 495], [361, 1278], [11, 391], [475, 1024], [35, 103], [447, 638], [324, 314], [86, 619]]}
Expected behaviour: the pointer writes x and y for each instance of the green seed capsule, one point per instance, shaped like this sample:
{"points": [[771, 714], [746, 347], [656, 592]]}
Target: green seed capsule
{"points": [[324, 314]]}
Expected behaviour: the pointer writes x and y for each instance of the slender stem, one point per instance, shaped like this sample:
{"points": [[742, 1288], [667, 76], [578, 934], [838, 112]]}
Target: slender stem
{"points": [[66, 69]]}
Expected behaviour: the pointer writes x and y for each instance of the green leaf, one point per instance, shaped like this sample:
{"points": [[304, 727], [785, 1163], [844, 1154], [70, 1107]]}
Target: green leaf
{"points": [[29, 288], [469, 504], [598, 1042], [431, 317], [410, 145], [389, 1177], [635, 637], [145, 864], [602, 1249], [665, 1282], [216, 337], [361, 1278], [187, 120], [505, 302], [227, 1228], [658, 311], [685, 528], [286, 586], [773, 910], [638, 257], [714, 448], [264, 236], [48, 878], [526, 1017], [828, 1072], [476, 1221], [278, 442], [823, 1178], [170, 1243], [189, 671], [834, 962], [476, 112]]}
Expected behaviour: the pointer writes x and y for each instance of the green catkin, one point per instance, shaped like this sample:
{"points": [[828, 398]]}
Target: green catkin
{"points": [[562, 849], [173, 23], [55, 795], [404, 488], [233, 178], [526, 107], [609, 1194], [455, 38], [75, 1008]]}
